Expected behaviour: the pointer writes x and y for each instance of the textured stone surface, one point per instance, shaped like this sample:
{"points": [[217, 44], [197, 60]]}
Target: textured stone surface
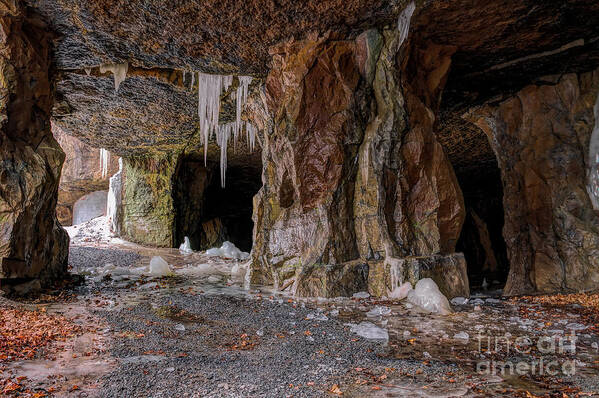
{"points": [[147, 206], [81, 173], [353, 171], [449, 273], [541, 138], [32, 242]]}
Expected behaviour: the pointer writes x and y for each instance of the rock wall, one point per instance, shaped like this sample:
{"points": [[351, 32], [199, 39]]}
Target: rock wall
{"points": [[32, 242], [353, 175], [147, 202], [541, 138], [81, 173]]}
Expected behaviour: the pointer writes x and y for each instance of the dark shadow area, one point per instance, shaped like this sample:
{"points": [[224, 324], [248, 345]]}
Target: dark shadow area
{"points": [[209, 214], [481, 239]]}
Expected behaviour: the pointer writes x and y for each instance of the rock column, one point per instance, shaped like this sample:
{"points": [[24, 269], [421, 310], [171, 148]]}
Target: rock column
{"points": [[33, 245]]}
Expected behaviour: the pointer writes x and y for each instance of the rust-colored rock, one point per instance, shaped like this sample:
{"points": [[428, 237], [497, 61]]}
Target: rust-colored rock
{"points": [[347, 182], [542, 138], [32, 242]]}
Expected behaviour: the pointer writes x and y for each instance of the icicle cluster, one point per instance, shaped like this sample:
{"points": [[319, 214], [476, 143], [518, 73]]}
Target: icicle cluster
{"points": [[104, 161], [210, 88], [119, 72]]}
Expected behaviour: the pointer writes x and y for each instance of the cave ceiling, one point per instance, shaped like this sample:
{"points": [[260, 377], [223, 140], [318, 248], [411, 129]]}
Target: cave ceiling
{"points": [[502, 45]]}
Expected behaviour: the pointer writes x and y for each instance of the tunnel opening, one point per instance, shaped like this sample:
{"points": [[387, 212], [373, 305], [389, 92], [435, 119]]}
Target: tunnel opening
{"points": [[481, 239], [210, 214], [479, 177]]}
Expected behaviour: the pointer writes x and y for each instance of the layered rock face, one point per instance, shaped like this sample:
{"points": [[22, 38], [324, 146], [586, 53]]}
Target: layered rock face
{"points": [[147, 202], [32, 242], [542, 139], [354, 178], [81, 173]]}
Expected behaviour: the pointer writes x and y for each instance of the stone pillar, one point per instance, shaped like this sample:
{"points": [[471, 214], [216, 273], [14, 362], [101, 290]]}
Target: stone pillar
{"points": [[542, 139], [148, 214], [32, 242], [353, 175]]}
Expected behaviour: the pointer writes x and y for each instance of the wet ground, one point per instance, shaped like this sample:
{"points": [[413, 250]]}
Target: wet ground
{"points": [[200, 333]]}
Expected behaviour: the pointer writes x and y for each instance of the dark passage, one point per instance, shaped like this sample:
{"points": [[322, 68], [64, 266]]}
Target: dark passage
{"points": [[209, 214], [481, 239]]}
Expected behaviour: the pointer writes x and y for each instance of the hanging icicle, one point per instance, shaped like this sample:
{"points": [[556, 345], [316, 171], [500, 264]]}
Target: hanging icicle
{"points": [[241, 98], [210, 88], [104, 161], [119, 72], [403, 22]]}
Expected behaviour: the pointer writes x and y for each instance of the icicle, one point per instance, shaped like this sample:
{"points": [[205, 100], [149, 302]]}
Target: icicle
{"points": [[193, 80], [104, 160], [251, 135], [210, 88], [241, 98], [88, 71], [403, 23], [118, 70]]}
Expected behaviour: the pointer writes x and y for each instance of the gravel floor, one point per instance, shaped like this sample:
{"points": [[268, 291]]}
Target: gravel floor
{"points": [[85, 257], [235, 347]]}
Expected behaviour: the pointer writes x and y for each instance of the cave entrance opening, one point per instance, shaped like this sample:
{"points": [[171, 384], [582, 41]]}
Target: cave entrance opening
{"points": [[209, 214], [481, 239]]}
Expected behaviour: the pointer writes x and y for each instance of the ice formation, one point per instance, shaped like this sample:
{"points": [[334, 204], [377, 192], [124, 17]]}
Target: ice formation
{"points": [[401, 292], [113, 201], [379, 311], [593, 183], [185, 247], [227, 250], [210, 89], [159, 267], [104, 161], [427, 296], [119, 71], [369, 331], [241, 98], [403, 22], [361, 295]]}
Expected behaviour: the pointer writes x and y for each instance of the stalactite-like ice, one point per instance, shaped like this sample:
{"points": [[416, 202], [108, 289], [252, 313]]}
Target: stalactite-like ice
{"points": [[119, 71], [210, 88], [593, 182], [114, 200], [403, 23], [104, 161], [241, 98]]}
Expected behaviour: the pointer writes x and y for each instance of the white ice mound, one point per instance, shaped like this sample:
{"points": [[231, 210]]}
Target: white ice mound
{"points": [[401, 292], [427, 296], [369, 331], [159, 267], [227, 250], [185, 247]]}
